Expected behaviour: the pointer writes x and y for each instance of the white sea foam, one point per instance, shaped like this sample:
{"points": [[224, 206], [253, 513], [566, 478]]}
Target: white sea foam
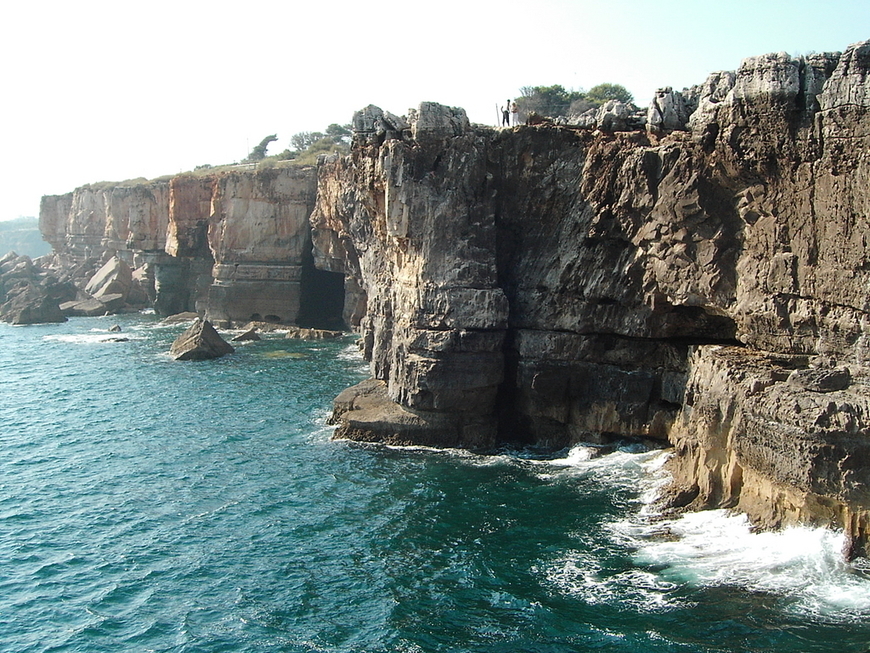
{"points": [[95, 336], [625, 467], [716, 548], [802, 566], [579, 573]]}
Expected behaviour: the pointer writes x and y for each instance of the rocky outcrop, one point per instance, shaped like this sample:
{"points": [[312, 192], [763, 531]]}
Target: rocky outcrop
{"points": [[250, 335], [114, 287], [28, 295], [106, 224], [200, 342], [296, 333], [118, 219], [413, 221], [612, 116], [703, 281]]}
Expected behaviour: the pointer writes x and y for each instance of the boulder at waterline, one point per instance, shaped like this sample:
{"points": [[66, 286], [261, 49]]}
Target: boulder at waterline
{"points": [[28, 303], [200, 342], [178, 318], [84, 308], [250, 334], [300, 333], [114, 278]]}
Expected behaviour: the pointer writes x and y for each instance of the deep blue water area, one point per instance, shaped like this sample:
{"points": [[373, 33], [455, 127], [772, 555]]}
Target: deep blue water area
{"points": [[154, 505]]}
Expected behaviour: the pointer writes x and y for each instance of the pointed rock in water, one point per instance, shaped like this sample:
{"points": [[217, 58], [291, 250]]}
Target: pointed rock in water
{"points": [[200, 342], [250, 334]]}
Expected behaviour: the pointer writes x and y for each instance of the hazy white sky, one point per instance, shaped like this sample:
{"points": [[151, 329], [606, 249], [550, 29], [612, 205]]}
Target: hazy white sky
{"points": [[96, 90]]}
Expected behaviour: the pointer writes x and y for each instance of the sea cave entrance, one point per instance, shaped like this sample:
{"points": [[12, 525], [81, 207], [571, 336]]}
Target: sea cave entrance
{"points": [[321, 302]]}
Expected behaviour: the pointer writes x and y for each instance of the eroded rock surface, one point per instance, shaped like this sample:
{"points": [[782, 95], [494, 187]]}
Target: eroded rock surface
{"points": [[697, 274], [29, 295], [200, 342], [553, 285], [233, 246]]}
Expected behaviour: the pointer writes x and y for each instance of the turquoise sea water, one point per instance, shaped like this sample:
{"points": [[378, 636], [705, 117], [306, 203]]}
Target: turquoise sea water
{"points": [[154, 505]]}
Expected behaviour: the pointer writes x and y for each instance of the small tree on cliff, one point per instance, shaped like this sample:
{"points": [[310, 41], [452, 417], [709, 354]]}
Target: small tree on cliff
{"points": [[307, 146], [259, 151], [604, 92], [555, 100], [546, 100]]}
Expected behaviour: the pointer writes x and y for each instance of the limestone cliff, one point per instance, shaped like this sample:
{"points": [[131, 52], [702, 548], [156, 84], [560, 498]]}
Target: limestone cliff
{"points": [[703, 281], [234, 246]]}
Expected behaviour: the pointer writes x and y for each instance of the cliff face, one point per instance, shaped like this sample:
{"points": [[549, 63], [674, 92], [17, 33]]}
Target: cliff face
{"points": [[233, 246], [95, 220], [414, 222], [258, 233], [706, 285]]}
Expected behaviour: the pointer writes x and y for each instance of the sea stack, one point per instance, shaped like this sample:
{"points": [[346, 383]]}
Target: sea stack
{"points": [[200, 342]]}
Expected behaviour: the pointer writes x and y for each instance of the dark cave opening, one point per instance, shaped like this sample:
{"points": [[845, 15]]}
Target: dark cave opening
{"points": [[321, 304]]}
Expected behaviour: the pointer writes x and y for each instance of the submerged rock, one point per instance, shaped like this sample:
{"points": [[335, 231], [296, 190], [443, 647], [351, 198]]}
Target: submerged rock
{"points": [[200, 342]]}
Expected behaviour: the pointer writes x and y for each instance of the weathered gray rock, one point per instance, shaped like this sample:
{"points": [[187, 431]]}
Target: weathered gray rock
{"points": [[821, 380], [248, 336], [180, 318], [668, 111], [200, 342], [433, 122], [85, 307], [429, 267], [28, 303], [616, 116], [552, 285], [612, 116], [301, 333], [114, 278], [28, 295], [365, 412]]}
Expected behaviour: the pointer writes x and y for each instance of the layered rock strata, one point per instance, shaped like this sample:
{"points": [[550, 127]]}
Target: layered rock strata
{"points": [[704, 281], [233, 246], [259, 235]]}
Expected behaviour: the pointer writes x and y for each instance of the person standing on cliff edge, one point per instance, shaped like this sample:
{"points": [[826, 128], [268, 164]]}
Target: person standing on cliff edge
{"points": [[505, 115], [515, 114]]}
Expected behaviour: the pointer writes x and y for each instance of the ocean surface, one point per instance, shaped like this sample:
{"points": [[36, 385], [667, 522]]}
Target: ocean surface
{"points": [[154, 505]]}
